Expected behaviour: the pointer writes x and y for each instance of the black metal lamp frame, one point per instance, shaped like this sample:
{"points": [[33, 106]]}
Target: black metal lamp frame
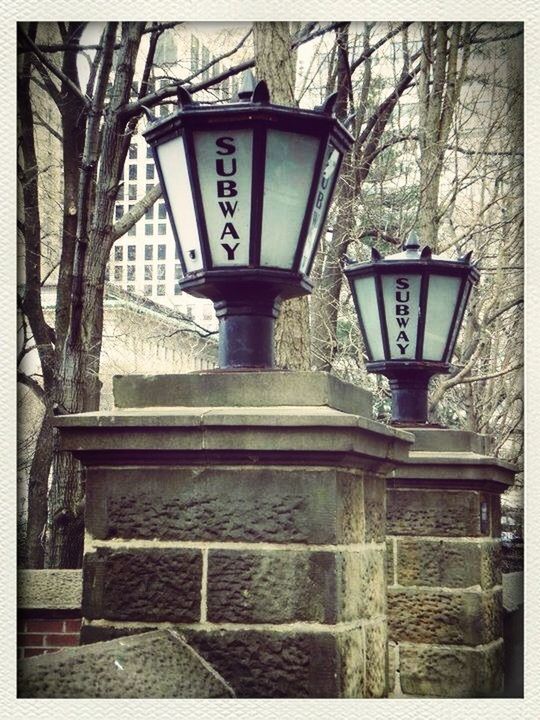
{"points": [[409, 379], [247, 298]]}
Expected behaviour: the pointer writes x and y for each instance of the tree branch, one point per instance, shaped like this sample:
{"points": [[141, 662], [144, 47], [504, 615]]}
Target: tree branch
{"points": [[53, 69], [32, 384], [137, 211]]}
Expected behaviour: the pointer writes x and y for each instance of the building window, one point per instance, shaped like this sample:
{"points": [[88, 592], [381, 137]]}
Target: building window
{"points": [[148, 252], [118, 272], [132, 152], [177, 290], [147, 290], [118, 252], [130, 288], [149, 187], [131, 272], [107, 273], [161, 252], [132, 172], [162, 229], [149, 152], [148, 229], [149, 214], [162, 212], [132, 252], [150, 169], [132, 230], [161, 289], [189, 312], [161, 272], [177, 272], [132, 192], [163, 111], [148, 270], [120, 193], [118, 212]]}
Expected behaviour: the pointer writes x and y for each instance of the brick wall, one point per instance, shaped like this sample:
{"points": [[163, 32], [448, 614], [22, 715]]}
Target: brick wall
{"points": [[40, 635]]}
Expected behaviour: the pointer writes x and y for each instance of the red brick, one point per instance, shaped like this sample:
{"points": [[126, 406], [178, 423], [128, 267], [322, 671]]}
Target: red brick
{"points": [[37, 625], [61, 640], [30, 640], [30, 652], [72, 626]]}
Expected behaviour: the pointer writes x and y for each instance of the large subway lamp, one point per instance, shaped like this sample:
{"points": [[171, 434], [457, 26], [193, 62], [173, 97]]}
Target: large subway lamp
{"points": [[247, 186], [410, 307]]}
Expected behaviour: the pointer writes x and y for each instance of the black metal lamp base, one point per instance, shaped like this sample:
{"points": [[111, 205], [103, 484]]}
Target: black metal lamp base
{"points": [[247, 302], [409, 382], [246, 333], [410, 399]]}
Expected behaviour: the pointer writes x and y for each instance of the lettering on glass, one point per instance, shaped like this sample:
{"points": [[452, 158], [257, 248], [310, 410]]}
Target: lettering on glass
{"points": [[226, 166], [321, 201], [402, 297]]}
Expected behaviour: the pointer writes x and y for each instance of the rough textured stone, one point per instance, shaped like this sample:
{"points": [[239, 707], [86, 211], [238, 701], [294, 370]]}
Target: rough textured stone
{"points": [[433, 512], [286, 586], [43, 589], [351, 523], [451, 671], [390, 572], [254, 504], [375, 508], [376, 660], [372, 582], [438, 616], [152, 665], [136, 584], [272, 388], [392, 655], [351, 650], [447, 563], [284, 664], [272, 586]]}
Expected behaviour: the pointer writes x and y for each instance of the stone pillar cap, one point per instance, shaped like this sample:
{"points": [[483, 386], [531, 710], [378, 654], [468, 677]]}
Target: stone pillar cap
{"points": [[261, 388]]}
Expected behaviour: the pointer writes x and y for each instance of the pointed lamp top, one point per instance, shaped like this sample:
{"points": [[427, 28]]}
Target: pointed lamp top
{"points": [[248, 86], [412, 242]]}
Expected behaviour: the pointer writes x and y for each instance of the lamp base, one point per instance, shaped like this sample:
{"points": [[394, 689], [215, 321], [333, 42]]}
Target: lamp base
{"points": [[247, 302], [409, 382], [410, 398], [246, 334]]}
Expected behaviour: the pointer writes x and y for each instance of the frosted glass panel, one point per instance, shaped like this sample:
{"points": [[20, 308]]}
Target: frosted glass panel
{"points": [[322, 199], [369, 314], [459, 319], [442, 296], [224, 165], [172, 160], [290, 161], [402, 308]]}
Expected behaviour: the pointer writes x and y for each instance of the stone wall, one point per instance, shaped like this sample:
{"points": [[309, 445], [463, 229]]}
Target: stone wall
{"points": [[445, 609], [255, 531]]}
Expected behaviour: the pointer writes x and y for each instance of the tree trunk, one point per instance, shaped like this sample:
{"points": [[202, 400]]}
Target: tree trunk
{"points": [[79, 347], [38, 483], [276, 64]]}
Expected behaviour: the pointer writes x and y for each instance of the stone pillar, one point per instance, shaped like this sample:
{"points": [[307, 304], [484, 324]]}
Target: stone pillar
{"points": [[444, 576], [247, 512]]}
